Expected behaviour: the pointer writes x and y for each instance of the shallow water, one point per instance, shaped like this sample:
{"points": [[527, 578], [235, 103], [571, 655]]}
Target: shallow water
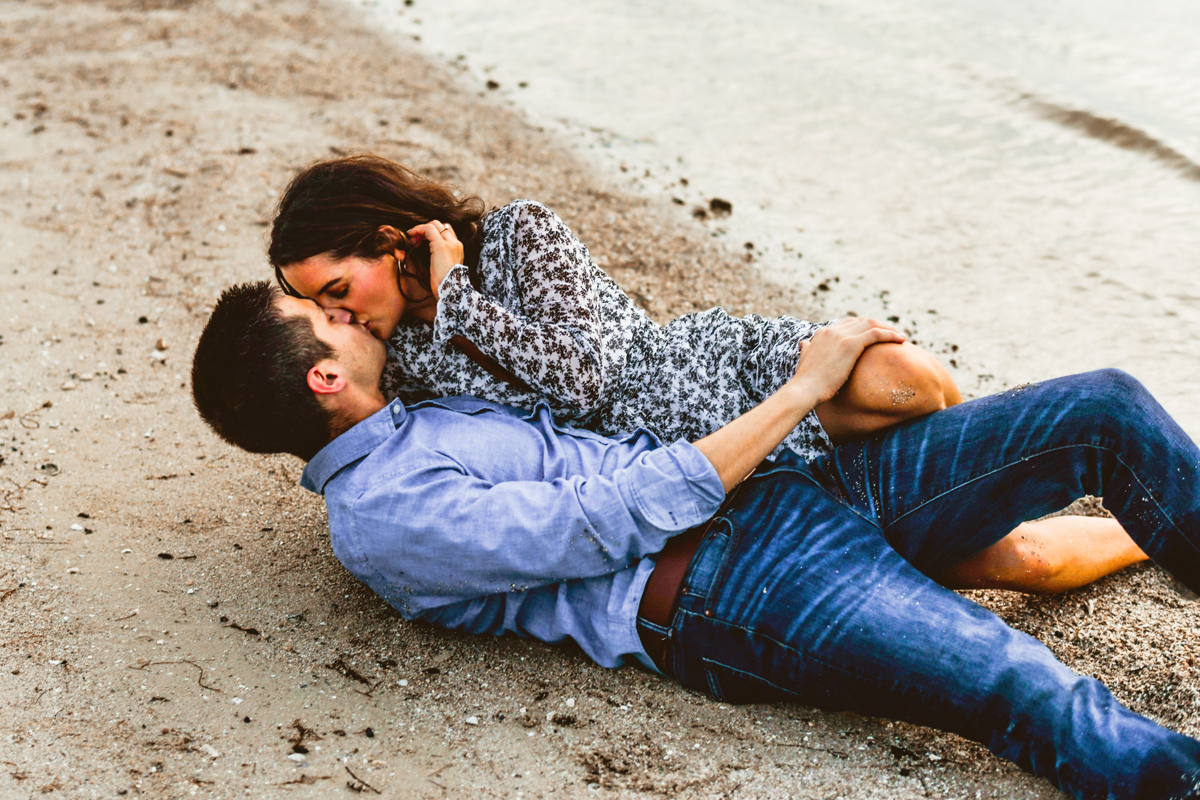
{"points": [[1017, 182]]}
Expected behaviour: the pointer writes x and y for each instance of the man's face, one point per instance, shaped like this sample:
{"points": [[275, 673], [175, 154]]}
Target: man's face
{"points": [[360, 353]]}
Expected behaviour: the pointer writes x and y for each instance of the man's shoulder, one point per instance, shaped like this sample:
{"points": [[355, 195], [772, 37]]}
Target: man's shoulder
{"points": [[466, 404], [390, 468], [418, 437]]}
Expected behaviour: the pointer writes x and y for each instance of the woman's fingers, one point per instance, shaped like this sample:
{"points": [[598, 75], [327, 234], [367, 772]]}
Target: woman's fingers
{"points": [[445, 250], [433, 230]]}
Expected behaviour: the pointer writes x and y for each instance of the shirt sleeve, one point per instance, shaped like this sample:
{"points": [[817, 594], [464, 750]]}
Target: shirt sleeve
{"points": [[554, 344], [433, 535]]}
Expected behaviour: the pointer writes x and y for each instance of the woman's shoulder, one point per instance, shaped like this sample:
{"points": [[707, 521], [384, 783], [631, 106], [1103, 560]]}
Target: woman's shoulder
{"points": [[506, 217], [516, 231]]}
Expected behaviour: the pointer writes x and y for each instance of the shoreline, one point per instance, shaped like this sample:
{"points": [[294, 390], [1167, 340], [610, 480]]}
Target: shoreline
{"points": [[172, 620], [987, 178]]}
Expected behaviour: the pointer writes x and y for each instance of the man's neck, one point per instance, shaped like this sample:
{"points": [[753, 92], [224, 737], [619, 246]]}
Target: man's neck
{"points": [[353, 407]]}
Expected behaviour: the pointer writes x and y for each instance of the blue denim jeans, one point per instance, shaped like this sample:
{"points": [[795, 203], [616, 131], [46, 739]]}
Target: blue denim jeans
{"points": [[812, 584]]}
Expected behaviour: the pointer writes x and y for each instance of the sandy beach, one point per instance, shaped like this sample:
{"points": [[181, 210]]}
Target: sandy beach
{"points": [[173, 622]]}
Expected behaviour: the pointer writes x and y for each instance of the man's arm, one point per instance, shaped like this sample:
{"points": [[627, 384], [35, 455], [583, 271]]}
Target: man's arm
{"points": [[424, 531], [826, 361]]}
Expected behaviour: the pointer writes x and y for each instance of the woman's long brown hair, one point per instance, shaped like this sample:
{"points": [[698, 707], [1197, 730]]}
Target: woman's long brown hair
{"points": [[338, 206]]}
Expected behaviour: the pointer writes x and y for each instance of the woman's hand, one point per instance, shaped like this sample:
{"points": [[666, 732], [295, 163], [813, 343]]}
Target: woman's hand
{"points": [[445, 250], [827, 359]]}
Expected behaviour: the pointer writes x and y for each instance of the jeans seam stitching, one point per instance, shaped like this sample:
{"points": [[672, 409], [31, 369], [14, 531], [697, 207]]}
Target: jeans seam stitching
{"points": [[1153, 500], [831, 670], [1046, 451], [719, 573], [800, 656], [709, 661]]}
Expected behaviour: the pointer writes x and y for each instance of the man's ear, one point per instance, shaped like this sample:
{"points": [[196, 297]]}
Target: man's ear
{"points": [[326, 378]]}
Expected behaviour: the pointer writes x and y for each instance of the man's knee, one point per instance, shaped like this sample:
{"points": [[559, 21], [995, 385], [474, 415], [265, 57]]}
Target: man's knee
{"points": [[1123, 388], [1116, 399]]}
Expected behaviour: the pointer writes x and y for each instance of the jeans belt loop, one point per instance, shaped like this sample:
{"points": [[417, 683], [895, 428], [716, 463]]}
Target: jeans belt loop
{"points": [[661, 595], [660, 598]]}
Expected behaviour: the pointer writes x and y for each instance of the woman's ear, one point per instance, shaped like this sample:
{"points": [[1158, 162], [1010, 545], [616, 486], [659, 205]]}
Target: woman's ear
{"points": [[326, 378], [391, 242], [389, 237]]}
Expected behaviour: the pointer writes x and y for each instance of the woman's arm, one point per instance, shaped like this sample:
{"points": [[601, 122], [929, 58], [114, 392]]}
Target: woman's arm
{"points": [[555, 344]]}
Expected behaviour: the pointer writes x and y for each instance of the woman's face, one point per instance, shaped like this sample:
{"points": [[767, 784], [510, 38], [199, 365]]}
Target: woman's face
{"points": [[367, 288]]}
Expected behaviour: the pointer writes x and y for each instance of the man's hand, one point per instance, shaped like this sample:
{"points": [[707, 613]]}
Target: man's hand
{"points": [[825, 363], [828, 358]]}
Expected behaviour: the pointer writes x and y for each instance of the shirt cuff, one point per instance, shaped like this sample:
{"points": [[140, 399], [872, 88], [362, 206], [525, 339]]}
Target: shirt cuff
{"points": [[454, 298], [677, 487]]}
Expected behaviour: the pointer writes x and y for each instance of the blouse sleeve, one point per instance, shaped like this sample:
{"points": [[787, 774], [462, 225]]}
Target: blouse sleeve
{"points": [[554, 343]]}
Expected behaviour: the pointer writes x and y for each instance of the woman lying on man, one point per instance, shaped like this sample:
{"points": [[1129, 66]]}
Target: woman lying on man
{"points": [[509, 307]]}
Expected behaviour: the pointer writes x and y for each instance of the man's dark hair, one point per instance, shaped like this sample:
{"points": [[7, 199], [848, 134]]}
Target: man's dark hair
{"points": [[249, 374]]}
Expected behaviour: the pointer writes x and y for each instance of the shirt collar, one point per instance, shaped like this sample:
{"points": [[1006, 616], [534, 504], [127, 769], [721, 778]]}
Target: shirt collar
{"points": [[356, 443]]}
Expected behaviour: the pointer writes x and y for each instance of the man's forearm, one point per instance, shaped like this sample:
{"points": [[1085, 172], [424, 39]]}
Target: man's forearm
{"points": [[740, 446], [825, 363]]}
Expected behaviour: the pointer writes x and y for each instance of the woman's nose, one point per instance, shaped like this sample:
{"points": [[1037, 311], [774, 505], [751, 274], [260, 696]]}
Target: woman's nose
{"points": [[340, 315]]}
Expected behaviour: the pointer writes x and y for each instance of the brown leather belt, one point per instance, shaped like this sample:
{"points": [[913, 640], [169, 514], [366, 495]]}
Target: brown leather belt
{"points": [[661, 595]]}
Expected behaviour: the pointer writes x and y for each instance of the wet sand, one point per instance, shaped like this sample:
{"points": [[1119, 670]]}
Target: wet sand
{"points": [[172, 620], [1015, 185]]}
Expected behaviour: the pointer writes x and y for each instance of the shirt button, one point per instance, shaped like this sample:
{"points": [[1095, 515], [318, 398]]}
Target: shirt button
{"points": [[396, 409]]}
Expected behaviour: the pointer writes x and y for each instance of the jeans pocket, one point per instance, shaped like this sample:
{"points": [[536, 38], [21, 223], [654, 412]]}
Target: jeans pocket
{"points": [[709, 562], [732, 685]]}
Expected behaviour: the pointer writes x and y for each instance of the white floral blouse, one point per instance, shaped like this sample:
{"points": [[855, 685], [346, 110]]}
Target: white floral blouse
{"points": [[546, 314]]}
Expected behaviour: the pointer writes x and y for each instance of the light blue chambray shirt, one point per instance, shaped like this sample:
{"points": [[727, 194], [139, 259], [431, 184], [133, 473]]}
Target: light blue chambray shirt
{"points": [[486, 519]]}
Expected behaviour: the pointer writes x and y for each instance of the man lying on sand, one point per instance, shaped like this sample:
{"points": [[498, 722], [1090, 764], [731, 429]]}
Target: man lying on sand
{"points": [[751, 581]]}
